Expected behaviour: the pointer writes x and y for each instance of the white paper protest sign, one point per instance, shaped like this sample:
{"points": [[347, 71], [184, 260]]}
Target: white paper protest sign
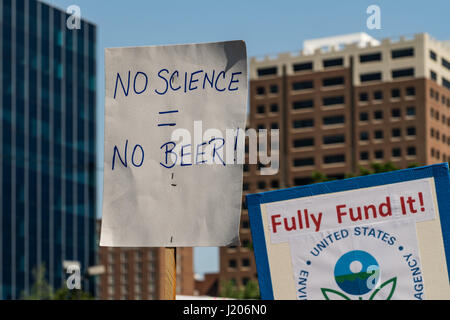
{"points": [[169, 111], [379, 261]]}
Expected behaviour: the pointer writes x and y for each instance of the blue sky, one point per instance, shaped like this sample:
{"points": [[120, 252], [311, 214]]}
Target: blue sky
{"points": [[268, 27]]}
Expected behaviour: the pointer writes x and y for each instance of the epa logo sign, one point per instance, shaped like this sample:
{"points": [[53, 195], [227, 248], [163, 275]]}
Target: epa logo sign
{"points": [[357, 273], [368, 262]]}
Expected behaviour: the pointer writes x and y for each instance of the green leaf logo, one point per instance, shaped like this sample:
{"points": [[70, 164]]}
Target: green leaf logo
{"points": [[331, 294], [385, 287]]}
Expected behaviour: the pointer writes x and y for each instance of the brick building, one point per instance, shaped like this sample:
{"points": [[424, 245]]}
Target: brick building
{"points": [[341, 103], [139, 273]]}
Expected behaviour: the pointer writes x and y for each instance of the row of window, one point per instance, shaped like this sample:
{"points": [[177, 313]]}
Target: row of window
{"points": [[434, 77], [396, 113], [440, 137], [309, 84], [364, 155], [435, 95], [445, 63], [326, 140], [435, 153], [310, 161], [309, 123], [395, 153], [233, 263], [395, 94], [339, 62], [377, 76], [339, 100], [395, 133], [435, 114], [262, 185]]}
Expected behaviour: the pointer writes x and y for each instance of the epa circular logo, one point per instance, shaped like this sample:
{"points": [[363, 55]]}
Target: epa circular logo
{"points": [[357, 272]]}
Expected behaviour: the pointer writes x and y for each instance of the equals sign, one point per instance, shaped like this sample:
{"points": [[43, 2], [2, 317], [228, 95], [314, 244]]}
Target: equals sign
{"points": [[170, 124]]}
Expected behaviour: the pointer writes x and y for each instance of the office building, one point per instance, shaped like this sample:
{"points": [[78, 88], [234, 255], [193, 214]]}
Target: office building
{"points": [[47, 146], [341, 103], [139, 273]]}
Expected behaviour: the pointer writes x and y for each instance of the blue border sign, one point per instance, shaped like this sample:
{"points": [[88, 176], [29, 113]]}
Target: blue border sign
{"points": [[440, 173]]}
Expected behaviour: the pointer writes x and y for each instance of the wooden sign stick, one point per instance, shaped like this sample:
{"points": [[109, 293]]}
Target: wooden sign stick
{"points": [[170, 281]]}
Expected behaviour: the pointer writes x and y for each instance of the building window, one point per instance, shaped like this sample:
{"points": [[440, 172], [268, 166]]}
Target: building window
{"points": [[232, 263], [274, 107], [333, 120], [411, 131], [446, 83], [303, 104], [302, 181], [246, 262], [364, 156], [433, 75], [379, 154], [261, 185], [303, 66], [400, 73], [273, 88], [302, 85], [410, 91], [363, 116], [395, 93], [335, 81], [333, 62], [302, 162], [363, 136], [363, 97], [396, 132], [329, 101], [337, 158], [267, 71], [261, 109], [378, 95], [445, 63], [402, 53], [411, 151], [410, 111], [433, 55], [396, 152], [245, 224], [378, 115], [396, 113], [274, 125], [301, 143], [374, 76], [378, 134], [339, 138], [363, 58], [260, 91], [307, 123], [245, 186], [275, 184]]}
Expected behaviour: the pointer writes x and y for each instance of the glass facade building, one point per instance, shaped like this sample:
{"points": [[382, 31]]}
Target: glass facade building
{"points": [[47, 146]]}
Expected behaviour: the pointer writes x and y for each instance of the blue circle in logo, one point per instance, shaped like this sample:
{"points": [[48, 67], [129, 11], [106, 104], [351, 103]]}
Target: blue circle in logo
{"points": [[356, 272]]}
